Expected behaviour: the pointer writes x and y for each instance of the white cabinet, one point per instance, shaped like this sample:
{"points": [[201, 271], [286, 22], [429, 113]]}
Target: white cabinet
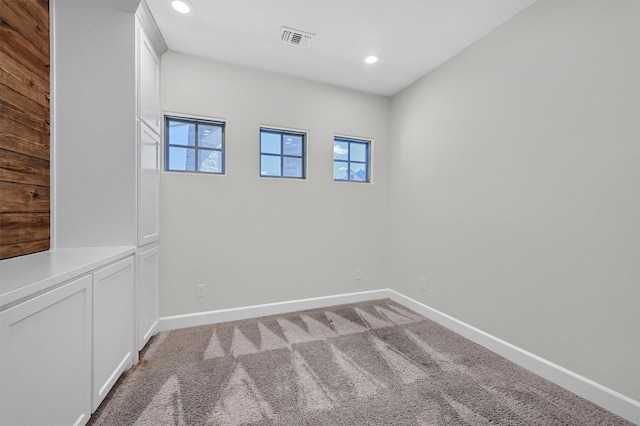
{"points": [[146, 295], [148, 82], [113, 324], [66, 333], [149, 123], [45, 358], [149, 44], [148, 185]]}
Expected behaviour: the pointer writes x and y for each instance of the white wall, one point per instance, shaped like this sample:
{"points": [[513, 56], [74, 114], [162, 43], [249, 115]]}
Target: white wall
{"points": [[515, 187], [257, 240], [94, 142]]}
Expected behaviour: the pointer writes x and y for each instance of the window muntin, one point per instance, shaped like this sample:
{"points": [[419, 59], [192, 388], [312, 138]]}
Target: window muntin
{"points": [[194, 145], [282, 153], [351, 159]]}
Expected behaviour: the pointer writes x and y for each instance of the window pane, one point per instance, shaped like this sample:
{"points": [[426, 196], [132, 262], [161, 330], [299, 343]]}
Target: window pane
{"points": [[358, 152], [209, 136], [292, 145], [358, 171], [210, 161], [340, 170], [182, 133], [340, 150], [270, 165], [182, 159], [194, 145], [292, 167], [269, 143]]}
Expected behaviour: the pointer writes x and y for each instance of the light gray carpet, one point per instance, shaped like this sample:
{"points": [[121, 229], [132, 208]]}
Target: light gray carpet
{"points": [[372, 363]]}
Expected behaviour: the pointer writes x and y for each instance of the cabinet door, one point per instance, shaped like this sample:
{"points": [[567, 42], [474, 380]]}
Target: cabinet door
{"points": [[45, 358], [148, 82], [148, 186], [147, 295], [113, 325]]}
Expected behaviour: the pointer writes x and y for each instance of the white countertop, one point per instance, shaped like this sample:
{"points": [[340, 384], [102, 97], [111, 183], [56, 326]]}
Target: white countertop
{"points": [[24, 276]]}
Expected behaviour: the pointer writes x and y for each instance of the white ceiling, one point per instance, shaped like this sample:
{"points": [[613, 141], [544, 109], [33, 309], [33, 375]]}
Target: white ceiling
{"points": [[412, 37]]}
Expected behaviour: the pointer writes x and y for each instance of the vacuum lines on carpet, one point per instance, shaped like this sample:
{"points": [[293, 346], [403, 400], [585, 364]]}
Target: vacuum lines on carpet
{"points": [[369, 363]]}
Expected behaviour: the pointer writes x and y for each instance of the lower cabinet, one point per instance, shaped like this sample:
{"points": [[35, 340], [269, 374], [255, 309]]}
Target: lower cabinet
{"points": [[62, 351], [113, 337], [45, 358], [147, 265]]}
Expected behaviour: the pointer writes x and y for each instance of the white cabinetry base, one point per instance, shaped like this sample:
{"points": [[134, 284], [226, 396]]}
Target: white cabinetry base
{"points": [[147, 264], [45, 358], [113, 294]]}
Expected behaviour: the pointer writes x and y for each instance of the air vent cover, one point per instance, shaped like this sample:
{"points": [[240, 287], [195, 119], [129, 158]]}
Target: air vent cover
{"points": [[295, 37]]}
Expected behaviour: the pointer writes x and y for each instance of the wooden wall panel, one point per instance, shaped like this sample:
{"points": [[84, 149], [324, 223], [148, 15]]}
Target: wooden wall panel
{"points": [[31, 107], [20, 249], [19, 16], [24, 139], [19, 114], [16, 46], [19, 168], [24, 197], [24, 127], [20, 227], [29, 84]]}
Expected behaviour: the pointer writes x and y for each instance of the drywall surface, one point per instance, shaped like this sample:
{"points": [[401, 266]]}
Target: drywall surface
{"points": [[94, 159], [255, 240], [515, 187]]}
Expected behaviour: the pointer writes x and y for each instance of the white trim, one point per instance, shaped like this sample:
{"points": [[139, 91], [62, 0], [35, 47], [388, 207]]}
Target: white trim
{"points": [[153, 330], [101, 393], [281, 128], [234, 314], [355, 138], [606, 398], [188, 115], [151, 28]]}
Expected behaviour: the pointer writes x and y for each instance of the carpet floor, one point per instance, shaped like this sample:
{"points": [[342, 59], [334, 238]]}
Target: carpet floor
{"points": [[370, 363]]}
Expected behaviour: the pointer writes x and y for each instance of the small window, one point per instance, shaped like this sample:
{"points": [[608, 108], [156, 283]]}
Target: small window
{"points": [[282, 153], [351, 158], [194, 145]]}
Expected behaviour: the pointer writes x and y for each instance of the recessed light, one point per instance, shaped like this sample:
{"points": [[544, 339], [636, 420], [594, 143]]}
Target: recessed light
{"points": [[181, 6], [371, 59]]}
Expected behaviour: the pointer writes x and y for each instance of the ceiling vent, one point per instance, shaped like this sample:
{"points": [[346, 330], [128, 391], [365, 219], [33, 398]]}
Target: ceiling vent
{"points": [[295, 37]]}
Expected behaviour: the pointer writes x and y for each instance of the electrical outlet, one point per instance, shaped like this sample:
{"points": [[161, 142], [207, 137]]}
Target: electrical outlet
{"points": [[358, 274], [423, 284], [200, 291]]}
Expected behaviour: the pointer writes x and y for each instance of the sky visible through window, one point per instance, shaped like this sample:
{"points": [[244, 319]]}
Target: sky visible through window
{"points": [[351, 159], [281, 154]]}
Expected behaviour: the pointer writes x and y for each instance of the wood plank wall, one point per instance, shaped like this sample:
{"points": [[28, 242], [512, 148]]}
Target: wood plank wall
{"points": [[24, 127]]}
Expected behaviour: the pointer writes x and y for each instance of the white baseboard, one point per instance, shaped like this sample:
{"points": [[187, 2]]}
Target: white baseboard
{"points": [[234, 314], [606, 398]]}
